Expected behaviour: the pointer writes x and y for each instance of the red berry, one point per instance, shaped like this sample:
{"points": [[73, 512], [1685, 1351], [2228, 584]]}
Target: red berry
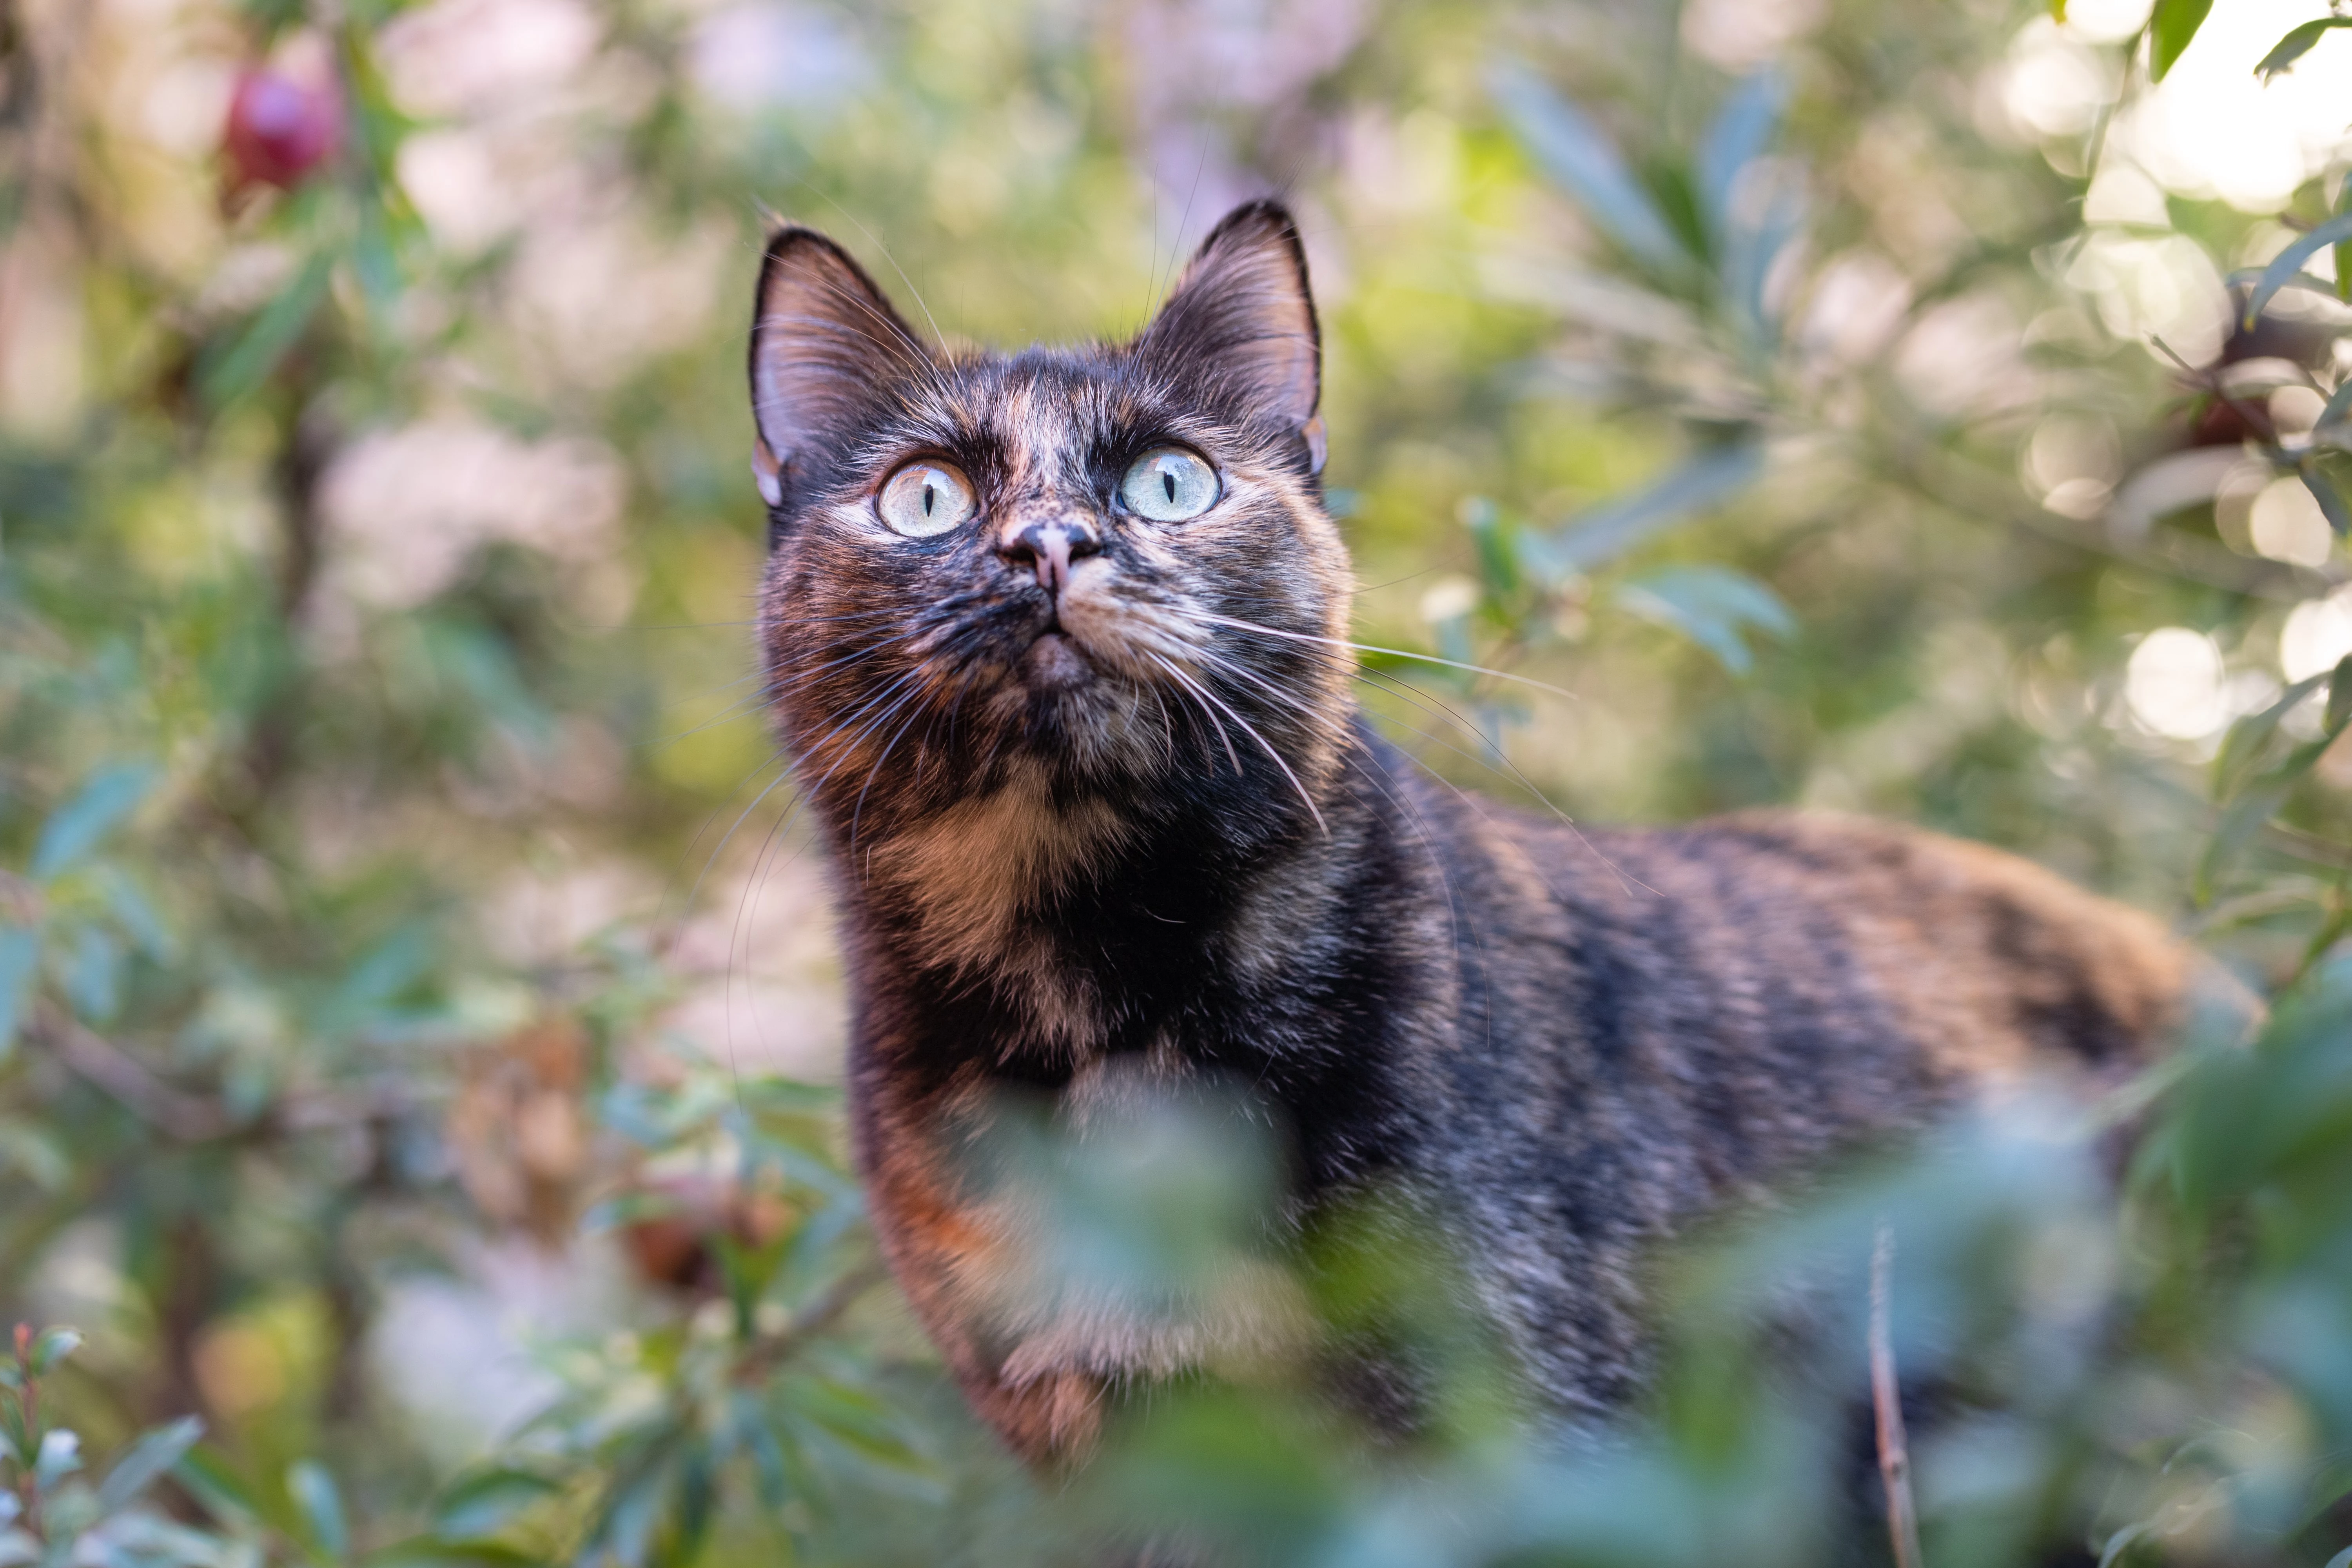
{"points": [[279, 129]]}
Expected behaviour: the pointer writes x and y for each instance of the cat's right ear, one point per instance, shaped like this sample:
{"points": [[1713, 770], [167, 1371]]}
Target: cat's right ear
{"points": [[825, 348]]}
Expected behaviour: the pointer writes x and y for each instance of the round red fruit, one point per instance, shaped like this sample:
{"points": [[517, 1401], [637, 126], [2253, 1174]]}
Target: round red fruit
{"points": [[279, 129]]}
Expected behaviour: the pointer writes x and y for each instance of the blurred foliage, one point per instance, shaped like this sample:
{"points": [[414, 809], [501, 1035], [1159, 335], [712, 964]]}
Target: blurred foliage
{"points": [[408, 975]]}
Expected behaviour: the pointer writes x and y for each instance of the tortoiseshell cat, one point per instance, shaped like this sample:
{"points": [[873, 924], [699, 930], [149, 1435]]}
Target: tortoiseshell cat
{"points": [[1055, 643]]}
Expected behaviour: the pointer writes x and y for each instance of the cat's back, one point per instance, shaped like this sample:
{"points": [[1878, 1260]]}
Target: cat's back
{"points": [[1743, 994]]}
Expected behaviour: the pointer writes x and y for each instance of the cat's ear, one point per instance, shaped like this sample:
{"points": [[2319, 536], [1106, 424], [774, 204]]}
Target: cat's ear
{"points": [[825, 347], [1240, 323]]}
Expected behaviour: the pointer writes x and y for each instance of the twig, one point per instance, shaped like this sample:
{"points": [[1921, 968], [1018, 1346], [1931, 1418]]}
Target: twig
{"points": [[820, 1314], [90, 1055], [1886, 1400], [189, 1118]]}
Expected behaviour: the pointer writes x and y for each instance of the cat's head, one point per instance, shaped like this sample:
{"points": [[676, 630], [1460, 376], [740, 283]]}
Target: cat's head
{"points": [[1099, 570]]}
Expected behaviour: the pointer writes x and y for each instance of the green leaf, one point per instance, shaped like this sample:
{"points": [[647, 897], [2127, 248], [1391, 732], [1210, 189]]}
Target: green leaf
{"points": [[74, 829], [2339, 696], [320, 1503], [1576, 155], [430, 1552], [59, 1456], [20, 956], [2339, 408], [219, 1485], [484, 1504], [2289, 262], [2331, 504], [149, 1458], [2297, 43], [2171, 29], [229, 373], [1708, 479], [1740, 133], [50, 1347], [1712, 605], [2249, 735]]}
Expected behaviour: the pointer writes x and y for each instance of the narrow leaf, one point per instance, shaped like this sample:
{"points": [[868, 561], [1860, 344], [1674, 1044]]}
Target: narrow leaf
{"points": [[2171, 29], [1615, 526], [2249, 735], [59, 1456], [2295, 44], [484, 1504], [232, 372], [2339, 517], [2339, 696], [74, 829], [321, 1504], [2339, 408], [1742, 130], [52, 1346], [153, 1454], [2289, 262], [20, 953], [1574, 152], [1712, 605]]}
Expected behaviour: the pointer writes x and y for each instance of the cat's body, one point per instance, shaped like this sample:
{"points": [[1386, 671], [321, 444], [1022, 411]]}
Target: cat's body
{"points": [[1101, 812]]}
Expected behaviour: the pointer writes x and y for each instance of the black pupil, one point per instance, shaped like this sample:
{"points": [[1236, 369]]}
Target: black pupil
{"points": [[1168, 478], [928, 491]]}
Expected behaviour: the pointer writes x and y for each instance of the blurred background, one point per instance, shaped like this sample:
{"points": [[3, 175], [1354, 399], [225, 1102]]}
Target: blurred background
{"points": [[417, 1004]]}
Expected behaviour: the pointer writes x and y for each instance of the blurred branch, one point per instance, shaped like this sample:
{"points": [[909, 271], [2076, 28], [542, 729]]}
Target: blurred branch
{"points": [[820, 1314], [189, 1118], [105, 1066], [1886, 1399]]}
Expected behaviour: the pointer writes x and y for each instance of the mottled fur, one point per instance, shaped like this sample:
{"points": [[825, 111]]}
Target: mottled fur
{"points": [[1137, 832]]}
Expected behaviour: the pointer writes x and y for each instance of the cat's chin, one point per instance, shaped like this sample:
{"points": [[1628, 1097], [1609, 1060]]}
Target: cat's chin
{"points": [[1054, 664]]}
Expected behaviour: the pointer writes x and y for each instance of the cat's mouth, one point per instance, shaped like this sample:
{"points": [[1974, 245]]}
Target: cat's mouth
{"points": [[1054, 662]]}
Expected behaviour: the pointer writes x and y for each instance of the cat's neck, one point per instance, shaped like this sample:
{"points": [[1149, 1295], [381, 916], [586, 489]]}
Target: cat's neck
{"points": [[1080, 916]]}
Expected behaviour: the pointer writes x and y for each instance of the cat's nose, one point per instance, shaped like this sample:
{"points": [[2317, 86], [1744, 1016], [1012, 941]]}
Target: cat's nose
{"points": [[1050, 548]]}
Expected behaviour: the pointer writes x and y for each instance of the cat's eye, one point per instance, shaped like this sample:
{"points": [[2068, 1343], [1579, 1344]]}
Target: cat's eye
{"points": [[1169, 484], [925, 498]]}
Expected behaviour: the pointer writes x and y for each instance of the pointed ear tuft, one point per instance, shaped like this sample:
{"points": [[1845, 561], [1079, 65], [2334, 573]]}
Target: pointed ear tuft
{"points": [[826, 347], [1240, 323]]}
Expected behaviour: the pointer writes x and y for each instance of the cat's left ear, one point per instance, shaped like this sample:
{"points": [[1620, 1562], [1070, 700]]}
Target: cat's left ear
{"points": [[1240, 325]]}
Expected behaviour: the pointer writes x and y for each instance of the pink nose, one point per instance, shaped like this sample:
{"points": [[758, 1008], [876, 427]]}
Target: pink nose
{"points": [[1050, 548]]}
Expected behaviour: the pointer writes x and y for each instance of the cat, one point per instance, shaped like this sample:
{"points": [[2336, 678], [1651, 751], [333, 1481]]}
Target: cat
{"points": [[1055, 640]]}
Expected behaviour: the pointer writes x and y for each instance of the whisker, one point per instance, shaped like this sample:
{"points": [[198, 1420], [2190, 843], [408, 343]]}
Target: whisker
{"points": [[1393, 652], [1232, 755], [1251, 730]]}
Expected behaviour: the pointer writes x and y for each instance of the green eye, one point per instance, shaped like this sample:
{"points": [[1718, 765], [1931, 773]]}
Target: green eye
{"points": [[1169, 484], [925, 498]]}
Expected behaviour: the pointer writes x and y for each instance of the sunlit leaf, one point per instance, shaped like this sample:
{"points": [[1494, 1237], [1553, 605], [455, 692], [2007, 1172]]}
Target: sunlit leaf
{"points": [[2339, 696], [2289, 262], [75, 828], [1609, 529], [320, 1504], [484, 1504], [1575, 152], [155, 1452], [2331, 504], [1739, 134], [2297, 43], [231, 371], [1712, 605], [51, 1346], [2249, 736], [59, 1456], [2171, 28], [20, 955], [2338, 410]]}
